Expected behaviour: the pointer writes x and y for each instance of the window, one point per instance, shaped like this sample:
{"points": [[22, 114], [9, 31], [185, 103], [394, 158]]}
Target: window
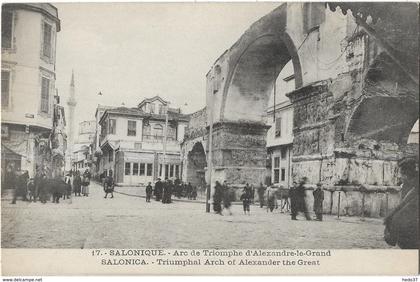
{"points": [[45, 95], [110, 156], [131, 128], [142, 169], [158, 131], [47, 41], [135, 169], [171, 132], [176, 170], [5, 88], [166, 171], [152, 108], [149, 169], [127, 169], [283, 153], [276, 169], [161, 111], [137, 145], [112, 126], [283, 174], [160, 170], [278, 128], [6, 29]]}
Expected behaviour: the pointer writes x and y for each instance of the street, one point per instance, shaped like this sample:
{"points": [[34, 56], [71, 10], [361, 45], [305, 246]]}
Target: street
{"points": [[129, 222]]}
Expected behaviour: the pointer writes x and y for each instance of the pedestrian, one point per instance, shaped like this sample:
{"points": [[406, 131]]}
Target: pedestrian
{"points": [[227, 199], [86, 183], [299, 204], [318, 199], [77, 184], [31, 189], [402, 223], [194, 192], [189, 191], [21, 186], [67, 193], [246, 202], [158, 190], [109, 185], [149, 191], [271, 198], [43, 188], [261, 193], [167, 192], [217, 198]]}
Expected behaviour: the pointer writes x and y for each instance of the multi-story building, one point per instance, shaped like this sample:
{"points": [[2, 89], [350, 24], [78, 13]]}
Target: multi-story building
{"points": [[133, 143], [280, 134], [83, 147], [29, 32]]}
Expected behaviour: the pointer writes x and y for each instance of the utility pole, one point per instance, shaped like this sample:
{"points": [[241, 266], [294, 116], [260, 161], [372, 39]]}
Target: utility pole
{"points": [[210, 160], [164, 144]]}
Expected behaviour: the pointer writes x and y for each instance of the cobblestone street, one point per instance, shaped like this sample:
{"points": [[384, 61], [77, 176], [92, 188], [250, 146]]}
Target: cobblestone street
{"points": [[129, 222]]}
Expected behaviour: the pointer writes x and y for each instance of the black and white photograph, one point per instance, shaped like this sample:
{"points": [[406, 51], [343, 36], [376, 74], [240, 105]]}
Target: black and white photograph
{"points": [[141, 127]]}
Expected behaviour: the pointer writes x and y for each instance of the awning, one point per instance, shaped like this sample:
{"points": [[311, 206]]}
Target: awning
{"points": [[8, 154]]}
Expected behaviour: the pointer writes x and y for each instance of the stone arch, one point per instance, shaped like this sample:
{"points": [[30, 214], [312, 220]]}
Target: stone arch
{"points": [[255, 63], [387, 108], [196, 164]]}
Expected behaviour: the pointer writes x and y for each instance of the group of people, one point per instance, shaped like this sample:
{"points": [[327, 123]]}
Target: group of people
{"points": [[42, 188], [269, 196], [164, 190], [80, 183]]}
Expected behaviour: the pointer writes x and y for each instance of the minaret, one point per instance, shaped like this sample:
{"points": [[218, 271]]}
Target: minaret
{"points": [[71, 103]]}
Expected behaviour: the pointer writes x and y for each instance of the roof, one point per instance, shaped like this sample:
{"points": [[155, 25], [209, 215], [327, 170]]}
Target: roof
{"points": [[149, 100], [139, 113]]}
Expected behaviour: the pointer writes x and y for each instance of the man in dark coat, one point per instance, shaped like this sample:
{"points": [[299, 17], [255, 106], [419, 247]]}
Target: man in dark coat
{"points": [[402, 225], [158, 190], [300, 199], [217, 198], [318, 199], [21, 188], [261, 193], [109, 185], [149, 191], [293, 201], [77, 184], [227, 200]]}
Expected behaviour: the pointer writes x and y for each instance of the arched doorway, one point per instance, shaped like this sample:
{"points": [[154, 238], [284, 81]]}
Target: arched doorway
{"points": [[196, 164]]}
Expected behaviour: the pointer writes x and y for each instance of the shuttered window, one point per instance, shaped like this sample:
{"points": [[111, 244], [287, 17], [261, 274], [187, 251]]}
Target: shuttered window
{"points": [[6, 29], [131, 128], [47, 41], [45, 95], [5, 88]]}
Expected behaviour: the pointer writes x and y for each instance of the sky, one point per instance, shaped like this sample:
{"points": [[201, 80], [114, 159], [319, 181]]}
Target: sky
{"points": [[131, 51]]}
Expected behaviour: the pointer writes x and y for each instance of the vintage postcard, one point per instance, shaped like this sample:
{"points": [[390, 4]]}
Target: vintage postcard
{"points": [[209, 138]]}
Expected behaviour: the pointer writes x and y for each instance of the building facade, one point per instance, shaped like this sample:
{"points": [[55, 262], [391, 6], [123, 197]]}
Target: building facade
{"points": [[142, 144], [29, 34], [280, 133], [83, 146]]}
